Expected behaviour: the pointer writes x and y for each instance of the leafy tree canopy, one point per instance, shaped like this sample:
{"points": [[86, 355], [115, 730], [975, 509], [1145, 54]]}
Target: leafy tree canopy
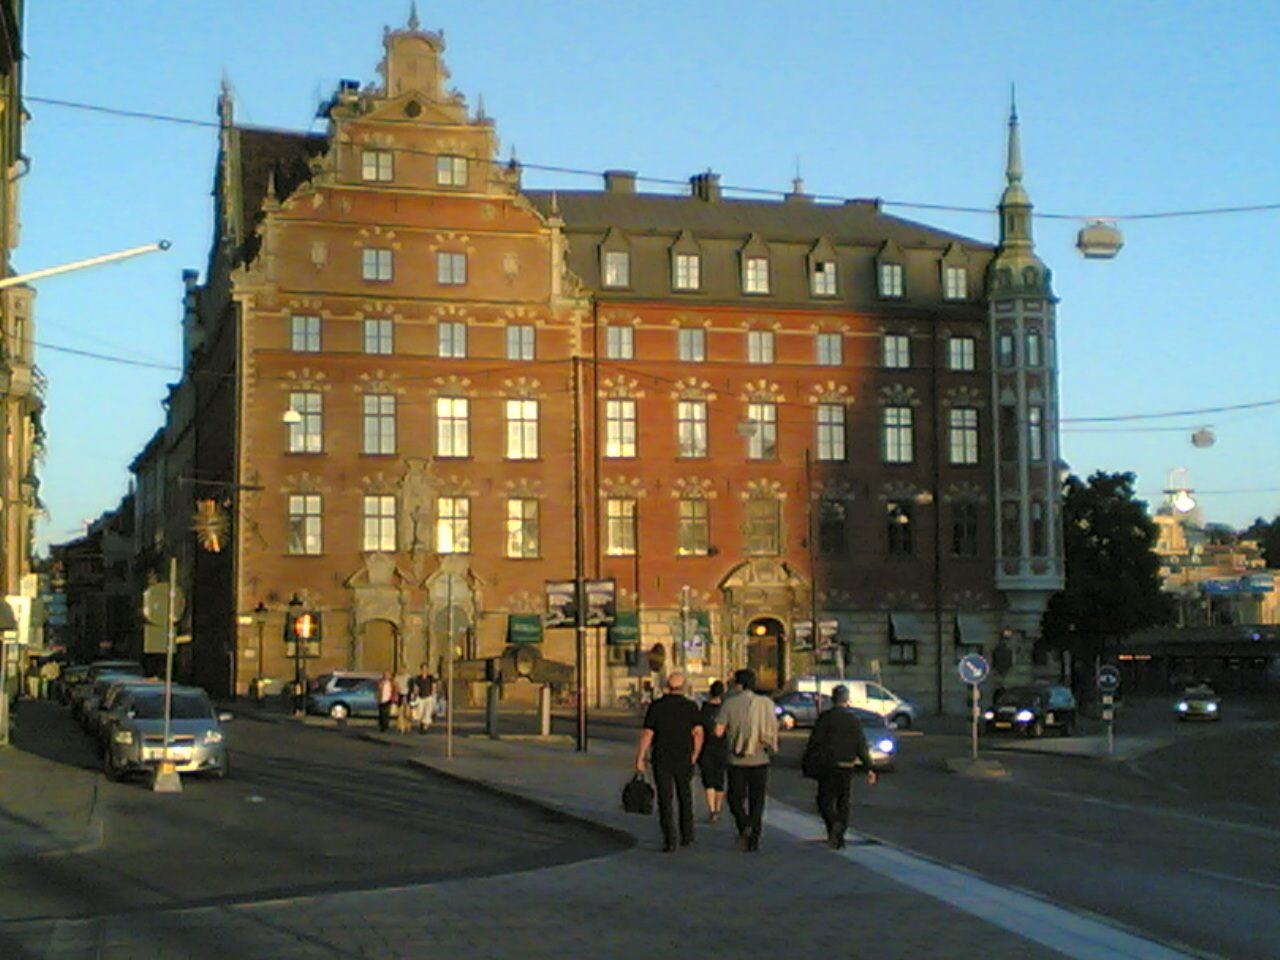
{"points": [[1268, 536]]}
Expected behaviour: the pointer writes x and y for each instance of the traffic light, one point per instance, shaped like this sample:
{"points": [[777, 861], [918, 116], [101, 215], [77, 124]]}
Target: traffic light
{"points": [[305, 628]]}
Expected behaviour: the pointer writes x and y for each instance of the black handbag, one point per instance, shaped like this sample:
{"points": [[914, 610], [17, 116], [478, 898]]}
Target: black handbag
{"points": [[815, 761], [637, 795]]}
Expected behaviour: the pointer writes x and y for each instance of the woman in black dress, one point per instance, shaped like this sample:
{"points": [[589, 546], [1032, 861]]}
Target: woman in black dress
{"points": [[715, 753]]}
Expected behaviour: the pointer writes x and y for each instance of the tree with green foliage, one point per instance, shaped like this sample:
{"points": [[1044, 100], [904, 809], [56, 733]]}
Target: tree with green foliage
{"points": [[1113, 574], [1268, 537]]}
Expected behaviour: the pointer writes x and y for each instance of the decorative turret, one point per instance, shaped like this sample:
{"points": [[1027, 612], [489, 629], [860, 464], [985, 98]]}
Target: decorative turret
{"points": [[1016, 270]]}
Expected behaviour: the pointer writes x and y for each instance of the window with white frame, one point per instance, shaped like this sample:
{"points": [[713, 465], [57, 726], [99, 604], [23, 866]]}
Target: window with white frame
{"points": [[619, 343], [962, 353], [687, 271], [521, 340], [305, 524], [379, 336], [306, 426], [762, 430], [762, 529], [1035, 433], [895, 351], [693, 527], [453, 525], [692, 344], [829, 349], [451, 171], [376, 166], [755, 275], [304, 334], [523, 542], [890, 277], [451, 339], [620, 428], [375, 264], [1035, 349], [962, 430], [822, 281], [620, 527], [760, 346], [379, 423], [617, 268], [955, 283], [451, 268], [897, 434], [691, 427], [453, 427], [380, 523], [522, 429], [1006, 350], [830, 422]]}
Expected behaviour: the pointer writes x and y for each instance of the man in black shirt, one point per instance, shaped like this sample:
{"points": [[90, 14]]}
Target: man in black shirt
{"points": [[672, 730], [837, 745]]}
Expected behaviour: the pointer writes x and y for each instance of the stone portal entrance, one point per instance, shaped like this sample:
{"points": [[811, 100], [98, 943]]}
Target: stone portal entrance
{"points": [[379, 647], [764, 652]]}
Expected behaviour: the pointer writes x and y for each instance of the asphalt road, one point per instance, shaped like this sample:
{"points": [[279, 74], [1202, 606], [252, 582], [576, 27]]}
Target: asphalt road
{"points": [[304, 810]]}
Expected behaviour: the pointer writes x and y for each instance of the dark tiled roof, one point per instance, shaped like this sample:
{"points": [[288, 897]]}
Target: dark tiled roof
{"points": [[262, 152]]}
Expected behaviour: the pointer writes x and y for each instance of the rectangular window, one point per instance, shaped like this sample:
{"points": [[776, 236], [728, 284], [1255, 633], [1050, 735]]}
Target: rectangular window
{"points": [[901, 537], [898, 435], [1008, 433], [962, 425], [822, 282], [955, 283], [890, 280], [451, 268], [962, 353], [376, 165], [964, 529], [304, 524], [691, 427], [755, 275], [379, 423], [375, 264], [306, 423], [687, 271], [453, 525], [693, 530], [380, 523], [522, 429], [829, 349], [1035, 352], [617, 268], [760, 346], [832, 540], [1006, 354], [619, 343], [1039, 538], [451, 171], [521, 341], [831, 431], [304, 334], [451, 339], [762, 431], [692, 344], [1035, 433], [762, 533], [620, 428], [378, 336], [523, 542], [1010, 529], [453, 427], [895, 351], [902, 652], [620, 527]]}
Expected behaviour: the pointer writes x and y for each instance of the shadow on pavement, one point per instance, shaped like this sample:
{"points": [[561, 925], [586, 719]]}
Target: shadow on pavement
{"points": [[46, 730]]}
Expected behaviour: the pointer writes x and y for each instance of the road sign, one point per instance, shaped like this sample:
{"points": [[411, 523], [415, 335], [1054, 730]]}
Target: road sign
{"points": [[973, 668], [1108, 679]]}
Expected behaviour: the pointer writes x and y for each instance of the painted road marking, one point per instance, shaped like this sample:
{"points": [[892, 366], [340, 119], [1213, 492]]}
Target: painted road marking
{"points": [[1073, 935], [1245, 880]]}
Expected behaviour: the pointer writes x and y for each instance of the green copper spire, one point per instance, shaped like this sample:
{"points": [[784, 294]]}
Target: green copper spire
{"points": [[1013, 170], [1016, 270]]}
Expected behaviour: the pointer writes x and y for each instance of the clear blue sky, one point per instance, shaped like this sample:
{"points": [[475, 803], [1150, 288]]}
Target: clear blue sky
{"points": [[1126, 108]]}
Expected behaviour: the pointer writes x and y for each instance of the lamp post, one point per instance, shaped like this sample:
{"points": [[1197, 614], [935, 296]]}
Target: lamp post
{"points": [[260, 618], [299, 680]]}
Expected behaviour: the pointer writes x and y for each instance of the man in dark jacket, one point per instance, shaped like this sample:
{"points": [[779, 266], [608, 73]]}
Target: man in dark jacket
{"points": [[672, 730], [838, 742]]}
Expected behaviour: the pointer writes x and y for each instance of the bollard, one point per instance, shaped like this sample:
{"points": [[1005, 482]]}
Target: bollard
{"points": [[544, 710]]}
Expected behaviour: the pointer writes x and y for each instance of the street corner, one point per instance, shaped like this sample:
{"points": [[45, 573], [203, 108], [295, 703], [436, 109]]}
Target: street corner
{"points": [[978, 769]]}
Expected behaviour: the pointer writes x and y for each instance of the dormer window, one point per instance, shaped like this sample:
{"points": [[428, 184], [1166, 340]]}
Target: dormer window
{"points": [[686, 271], [617, 268], [822, 281], [451, 171], [755, 274], [955, 283], [890, 280], [376, 166]]}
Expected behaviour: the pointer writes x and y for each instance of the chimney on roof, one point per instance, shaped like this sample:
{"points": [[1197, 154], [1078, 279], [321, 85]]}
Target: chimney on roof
{"points": [[797, 194], [705, 186], [620, 181]]}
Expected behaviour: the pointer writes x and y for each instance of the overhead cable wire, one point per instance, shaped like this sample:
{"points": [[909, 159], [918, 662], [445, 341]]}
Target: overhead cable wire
{"points": [[107, 357]]}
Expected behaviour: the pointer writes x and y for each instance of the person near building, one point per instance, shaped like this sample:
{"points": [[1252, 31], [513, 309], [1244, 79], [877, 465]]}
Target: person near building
{"points": [[422, 694], [715, 751], [750, 726], [386, 699], [404, 705], [837, 745], [672, 735]]}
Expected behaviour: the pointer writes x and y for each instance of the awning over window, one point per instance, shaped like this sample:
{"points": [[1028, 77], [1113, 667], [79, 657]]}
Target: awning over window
{"points": [[972, 630], [907, 626]]}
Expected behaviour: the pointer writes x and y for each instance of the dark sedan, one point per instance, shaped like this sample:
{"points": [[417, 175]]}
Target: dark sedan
{"points": [[1032, 710]]}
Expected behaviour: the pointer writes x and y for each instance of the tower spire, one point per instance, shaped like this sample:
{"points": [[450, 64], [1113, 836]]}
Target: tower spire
{"points": [[1013, 169], [414, 23]]}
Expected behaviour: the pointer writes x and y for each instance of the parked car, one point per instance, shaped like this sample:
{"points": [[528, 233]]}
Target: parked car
{"points": [[1031, 710], [71, 678], [1199, 703], [881, 742], [864, 695], [135, 741], [91, 698], [95, 670], [342, 695], [111, 700], [799, 708]]}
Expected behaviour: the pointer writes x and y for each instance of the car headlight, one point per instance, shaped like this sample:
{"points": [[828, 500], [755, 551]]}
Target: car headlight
{"points": [[886, 746], [777, 711], [213, 736], [1182, 706], [989, 715], [1024, 716], [123, 736], [1211, 707]]}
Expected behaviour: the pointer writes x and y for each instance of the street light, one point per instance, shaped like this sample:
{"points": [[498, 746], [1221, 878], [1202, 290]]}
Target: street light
{"points": [[299, 687], [260, 618]]}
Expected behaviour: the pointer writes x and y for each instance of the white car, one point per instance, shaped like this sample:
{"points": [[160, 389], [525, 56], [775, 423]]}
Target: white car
{"points": [[899, 712]]}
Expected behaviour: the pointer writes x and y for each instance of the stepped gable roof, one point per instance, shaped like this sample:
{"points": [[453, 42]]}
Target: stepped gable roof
{"points": [[853, 222], [263, 152]]}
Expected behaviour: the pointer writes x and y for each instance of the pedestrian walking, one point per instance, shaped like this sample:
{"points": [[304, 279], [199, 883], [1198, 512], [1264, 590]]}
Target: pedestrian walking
{"points": [[386, 698], [836, 745], [404, 703], [673, 735], [422, 694], [750, 727], [715, 751]]}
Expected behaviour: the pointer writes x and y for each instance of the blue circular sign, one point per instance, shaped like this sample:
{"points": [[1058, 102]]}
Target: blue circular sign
{"points": [[1108, 679], [974, 668]]}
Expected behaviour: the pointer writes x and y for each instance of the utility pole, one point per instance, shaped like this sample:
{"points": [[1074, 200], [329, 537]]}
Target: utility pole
{"points": [[448, 667], [166, 779], [579, 560]]}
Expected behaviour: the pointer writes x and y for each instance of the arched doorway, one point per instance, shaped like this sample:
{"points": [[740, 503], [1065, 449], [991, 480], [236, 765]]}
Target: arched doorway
{"points": [[379, 649], [764, 651]]}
